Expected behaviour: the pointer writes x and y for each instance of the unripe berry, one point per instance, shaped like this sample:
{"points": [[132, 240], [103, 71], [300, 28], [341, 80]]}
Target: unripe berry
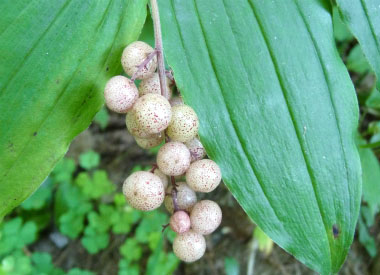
{"points": [[177, 100], [173, 158], [151, 85], [162, 176], [144, 191], [196, 149], [203, 175], [135, 54], [186, 197], [133, 128], [147, 143], [120, 94], [184, 124], [180, 222], [189, 246], [152, 113], [205, 217]]}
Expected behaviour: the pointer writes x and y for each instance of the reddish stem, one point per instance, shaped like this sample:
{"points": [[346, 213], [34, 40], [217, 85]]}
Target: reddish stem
{"points": [[143, 65]]}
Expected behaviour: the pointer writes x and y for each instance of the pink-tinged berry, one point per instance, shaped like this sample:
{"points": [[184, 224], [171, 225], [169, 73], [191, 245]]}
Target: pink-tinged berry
{"points": [[184, 124], [175, 101], [152, 113], [120, 94], [173, 158], [186, 197], [144, 191], [205, 217], [147, 143], [180, 222], [135, 54], [203, 175], [151, 85], [196, 149], [189, 246], [162, 176]]}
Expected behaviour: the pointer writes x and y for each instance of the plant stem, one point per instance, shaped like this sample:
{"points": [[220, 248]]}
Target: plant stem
{"points": [[174, 194], [159, 48]]}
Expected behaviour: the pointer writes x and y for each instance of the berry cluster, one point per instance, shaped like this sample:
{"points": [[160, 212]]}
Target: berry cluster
{"points": [[152, 119]]}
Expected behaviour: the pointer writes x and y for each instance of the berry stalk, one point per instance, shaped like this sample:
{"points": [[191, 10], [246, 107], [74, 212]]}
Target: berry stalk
{"points": [[159, 47]]}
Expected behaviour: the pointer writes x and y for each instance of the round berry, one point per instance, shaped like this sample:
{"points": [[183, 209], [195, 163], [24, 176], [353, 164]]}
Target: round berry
{"points": [[180, 222], [205, 217], [196, 149], [144, 191], [186, 197], [203, 175], [173, 158], [189, 246], [184, 124], [151, 85], [147, 143], [177, 100], [120, 94], [135, 54], [152, 113], [133, 128], [162, 176]]}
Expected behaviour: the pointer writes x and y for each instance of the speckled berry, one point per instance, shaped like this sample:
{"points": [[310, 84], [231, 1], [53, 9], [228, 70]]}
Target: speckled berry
{"points": [[147, 143], [186, 197], [205, 217], [144, 191], [196, 149], [152, 113], [184, 124], [162, 176], [133, 128], [120, 94], [151, 85], [189, 246], [173, 158], [203, 175], [135, 54], [180, 222], [175, 101]]}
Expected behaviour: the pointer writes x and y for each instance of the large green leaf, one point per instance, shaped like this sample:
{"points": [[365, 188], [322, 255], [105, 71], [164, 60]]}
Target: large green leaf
{"points": [[363, 19], [278, 113], [55, 57]]}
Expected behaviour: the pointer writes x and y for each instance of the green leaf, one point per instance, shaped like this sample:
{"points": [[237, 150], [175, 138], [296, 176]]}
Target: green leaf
{"points": [[78, 271], [125, 268], [373, 101], [265, 243], [371, 177], [362, 17], [102, 118], [356, 61], [160, 262], [94, 240], [89, 160], [64, 170], [131, 250], [97, 186], [341, 32], [40, 198], [15, 263], [43, 265], [231, 266], [278, 113], [366, 239], [56, 56], [15, 235]]}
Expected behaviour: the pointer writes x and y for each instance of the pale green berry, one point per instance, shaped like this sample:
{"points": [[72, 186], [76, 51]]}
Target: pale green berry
{"points": [[205, 217], [184, 124], [203, 175], [135, 54], [189, 246], [147, 143], [144, 191], [186, 197], [152, 113], [164, 178], [196, 149], [151, 85], [173, 158], [120, 93], [133, 127]]}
